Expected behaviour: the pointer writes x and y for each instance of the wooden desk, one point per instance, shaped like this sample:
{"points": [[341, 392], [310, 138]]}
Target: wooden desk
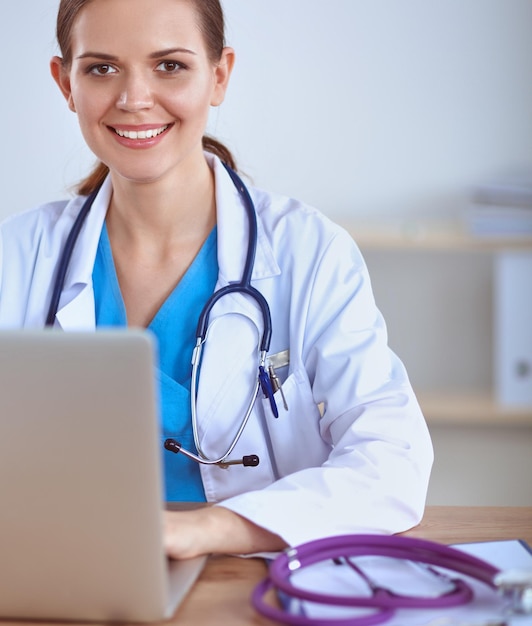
{"points": [[221, 595], [463, 524]]}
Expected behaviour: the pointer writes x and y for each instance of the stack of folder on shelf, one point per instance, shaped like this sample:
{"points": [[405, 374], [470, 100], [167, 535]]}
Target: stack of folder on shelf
{"points": [[502, 209]]}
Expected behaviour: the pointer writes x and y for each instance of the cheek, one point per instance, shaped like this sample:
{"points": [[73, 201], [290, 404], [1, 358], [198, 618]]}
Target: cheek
{"points": [[89, 113], [88, 106], [87, 116], [190, 103]]}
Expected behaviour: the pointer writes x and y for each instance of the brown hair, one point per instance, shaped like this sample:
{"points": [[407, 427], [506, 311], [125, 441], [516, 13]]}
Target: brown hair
{"points": [[212, 26]]}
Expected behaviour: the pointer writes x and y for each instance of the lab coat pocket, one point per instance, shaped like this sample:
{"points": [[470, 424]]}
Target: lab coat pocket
{"points": [[285, 391], [295, 439]]}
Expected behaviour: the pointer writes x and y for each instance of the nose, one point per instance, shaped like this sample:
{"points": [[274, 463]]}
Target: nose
{"points": [[135, 95]]}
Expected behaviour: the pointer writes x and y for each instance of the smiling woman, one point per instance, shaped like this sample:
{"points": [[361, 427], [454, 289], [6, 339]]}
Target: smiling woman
{"points": [[170, 224], [164, 77]]}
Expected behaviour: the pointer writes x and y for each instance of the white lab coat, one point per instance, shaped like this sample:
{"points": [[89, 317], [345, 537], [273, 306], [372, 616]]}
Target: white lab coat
{"points": [[352, 453]]}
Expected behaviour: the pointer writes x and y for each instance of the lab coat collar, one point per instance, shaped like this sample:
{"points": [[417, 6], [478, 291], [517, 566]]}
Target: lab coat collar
{"points": [[232, 224], [77, 302]]}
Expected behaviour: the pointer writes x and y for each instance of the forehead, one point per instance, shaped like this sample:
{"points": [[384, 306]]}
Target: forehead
{"points": [[112, 25]]}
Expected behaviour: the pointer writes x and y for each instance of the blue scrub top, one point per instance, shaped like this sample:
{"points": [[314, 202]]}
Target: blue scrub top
{"points": [[174, 327]]}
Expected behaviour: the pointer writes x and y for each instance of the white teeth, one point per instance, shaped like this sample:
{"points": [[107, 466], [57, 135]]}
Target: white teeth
{"points": [[141, 134]]}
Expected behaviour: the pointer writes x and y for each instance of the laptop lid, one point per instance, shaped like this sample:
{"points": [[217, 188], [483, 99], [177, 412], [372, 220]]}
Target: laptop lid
{"points": [[81, 494]]}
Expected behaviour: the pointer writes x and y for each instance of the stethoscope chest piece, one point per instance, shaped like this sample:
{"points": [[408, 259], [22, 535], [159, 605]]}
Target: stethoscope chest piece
{"points": [[516, 588]]}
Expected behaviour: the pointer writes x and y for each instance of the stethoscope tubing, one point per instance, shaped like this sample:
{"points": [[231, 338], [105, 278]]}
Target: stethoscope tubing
{"points": [[242, 286], [66, 255], [405, 548], [201, 457], [380, 615], [384, 601], [238, 288]]}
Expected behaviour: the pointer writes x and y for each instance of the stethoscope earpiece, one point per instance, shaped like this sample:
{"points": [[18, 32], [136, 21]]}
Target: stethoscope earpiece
{"points": [[250, 460]]}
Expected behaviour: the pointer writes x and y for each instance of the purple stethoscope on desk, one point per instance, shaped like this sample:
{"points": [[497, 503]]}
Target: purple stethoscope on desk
{"points": [[516, 587]]}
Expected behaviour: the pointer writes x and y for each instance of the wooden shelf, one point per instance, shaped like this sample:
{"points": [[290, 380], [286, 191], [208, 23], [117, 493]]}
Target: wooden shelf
{"points": [[469, 408], [427, 234]]}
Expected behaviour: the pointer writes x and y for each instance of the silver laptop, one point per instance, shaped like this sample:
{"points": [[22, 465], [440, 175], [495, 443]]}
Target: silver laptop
{"points": [[81, 495]]}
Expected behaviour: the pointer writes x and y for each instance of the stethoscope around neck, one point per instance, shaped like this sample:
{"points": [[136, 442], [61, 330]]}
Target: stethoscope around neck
{"points": [[243, 286]]}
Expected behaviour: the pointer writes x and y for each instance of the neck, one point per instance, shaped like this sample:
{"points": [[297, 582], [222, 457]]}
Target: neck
{"points": [[159, 214]]}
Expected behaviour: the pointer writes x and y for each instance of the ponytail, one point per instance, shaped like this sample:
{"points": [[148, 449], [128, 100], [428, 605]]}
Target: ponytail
{"points": [[93, 180], [212, 145]]}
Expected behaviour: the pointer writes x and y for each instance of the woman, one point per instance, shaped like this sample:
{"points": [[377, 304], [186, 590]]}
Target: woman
{"points": [[349, 451]]}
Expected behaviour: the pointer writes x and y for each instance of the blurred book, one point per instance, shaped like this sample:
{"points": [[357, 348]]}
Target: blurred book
{"points": [[513, 328], [502, 209]]}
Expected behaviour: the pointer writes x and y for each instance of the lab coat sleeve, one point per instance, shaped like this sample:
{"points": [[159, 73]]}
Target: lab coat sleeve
{"points": [[376, 476]]}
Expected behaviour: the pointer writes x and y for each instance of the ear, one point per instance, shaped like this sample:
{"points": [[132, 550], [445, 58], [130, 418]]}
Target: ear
{"points": [[62, 78], [222, 74]]}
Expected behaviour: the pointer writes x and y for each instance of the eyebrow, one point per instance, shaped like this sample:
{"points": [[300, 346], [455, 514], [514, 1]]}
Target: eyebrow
{"points": [[154, 55], [163, 53]]}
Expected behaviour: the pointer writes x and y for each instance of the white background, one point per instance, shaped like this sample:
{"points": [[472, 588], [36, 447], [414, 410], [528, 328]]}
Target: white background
{"points": [[355, 106]]}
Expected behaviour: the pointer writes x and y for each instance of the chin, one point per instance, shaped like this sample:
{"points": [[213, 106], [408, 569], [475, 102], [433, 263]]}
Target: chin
{"points": [[141, 178]]}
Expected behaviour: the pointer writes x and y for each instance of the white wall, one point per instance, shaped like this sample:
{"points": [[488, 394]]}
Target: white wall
{"points": [[352, 105], [481, 465], [40, 141], [380, 105]]}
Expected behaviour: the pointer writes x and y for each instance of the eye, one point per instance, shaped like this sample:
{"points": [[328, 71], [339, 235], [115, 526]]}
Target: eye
{"points": [[170, 67], [102, 69]]}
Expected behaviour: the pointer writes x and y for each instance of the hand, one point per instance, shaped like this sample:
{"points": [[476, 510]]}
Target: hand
{"points": [[215, 530]]}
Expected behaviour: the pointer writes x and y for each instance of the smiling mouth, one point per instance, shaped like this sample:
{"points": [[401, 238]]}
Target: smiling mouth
{"points": [[142, 134]]}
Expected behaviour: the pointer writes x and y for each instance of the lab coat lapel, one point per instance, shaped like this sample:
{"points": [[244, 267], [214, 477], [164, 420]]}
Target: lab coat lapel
{"points": [[233, 232], [76, 306], [78, 314], [229, 365]]}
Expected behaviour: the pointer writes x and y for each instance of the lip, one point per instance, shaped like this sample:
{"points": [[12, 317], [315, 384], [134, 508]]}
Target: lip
{"points": [[138, 127], [139, 143]]}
